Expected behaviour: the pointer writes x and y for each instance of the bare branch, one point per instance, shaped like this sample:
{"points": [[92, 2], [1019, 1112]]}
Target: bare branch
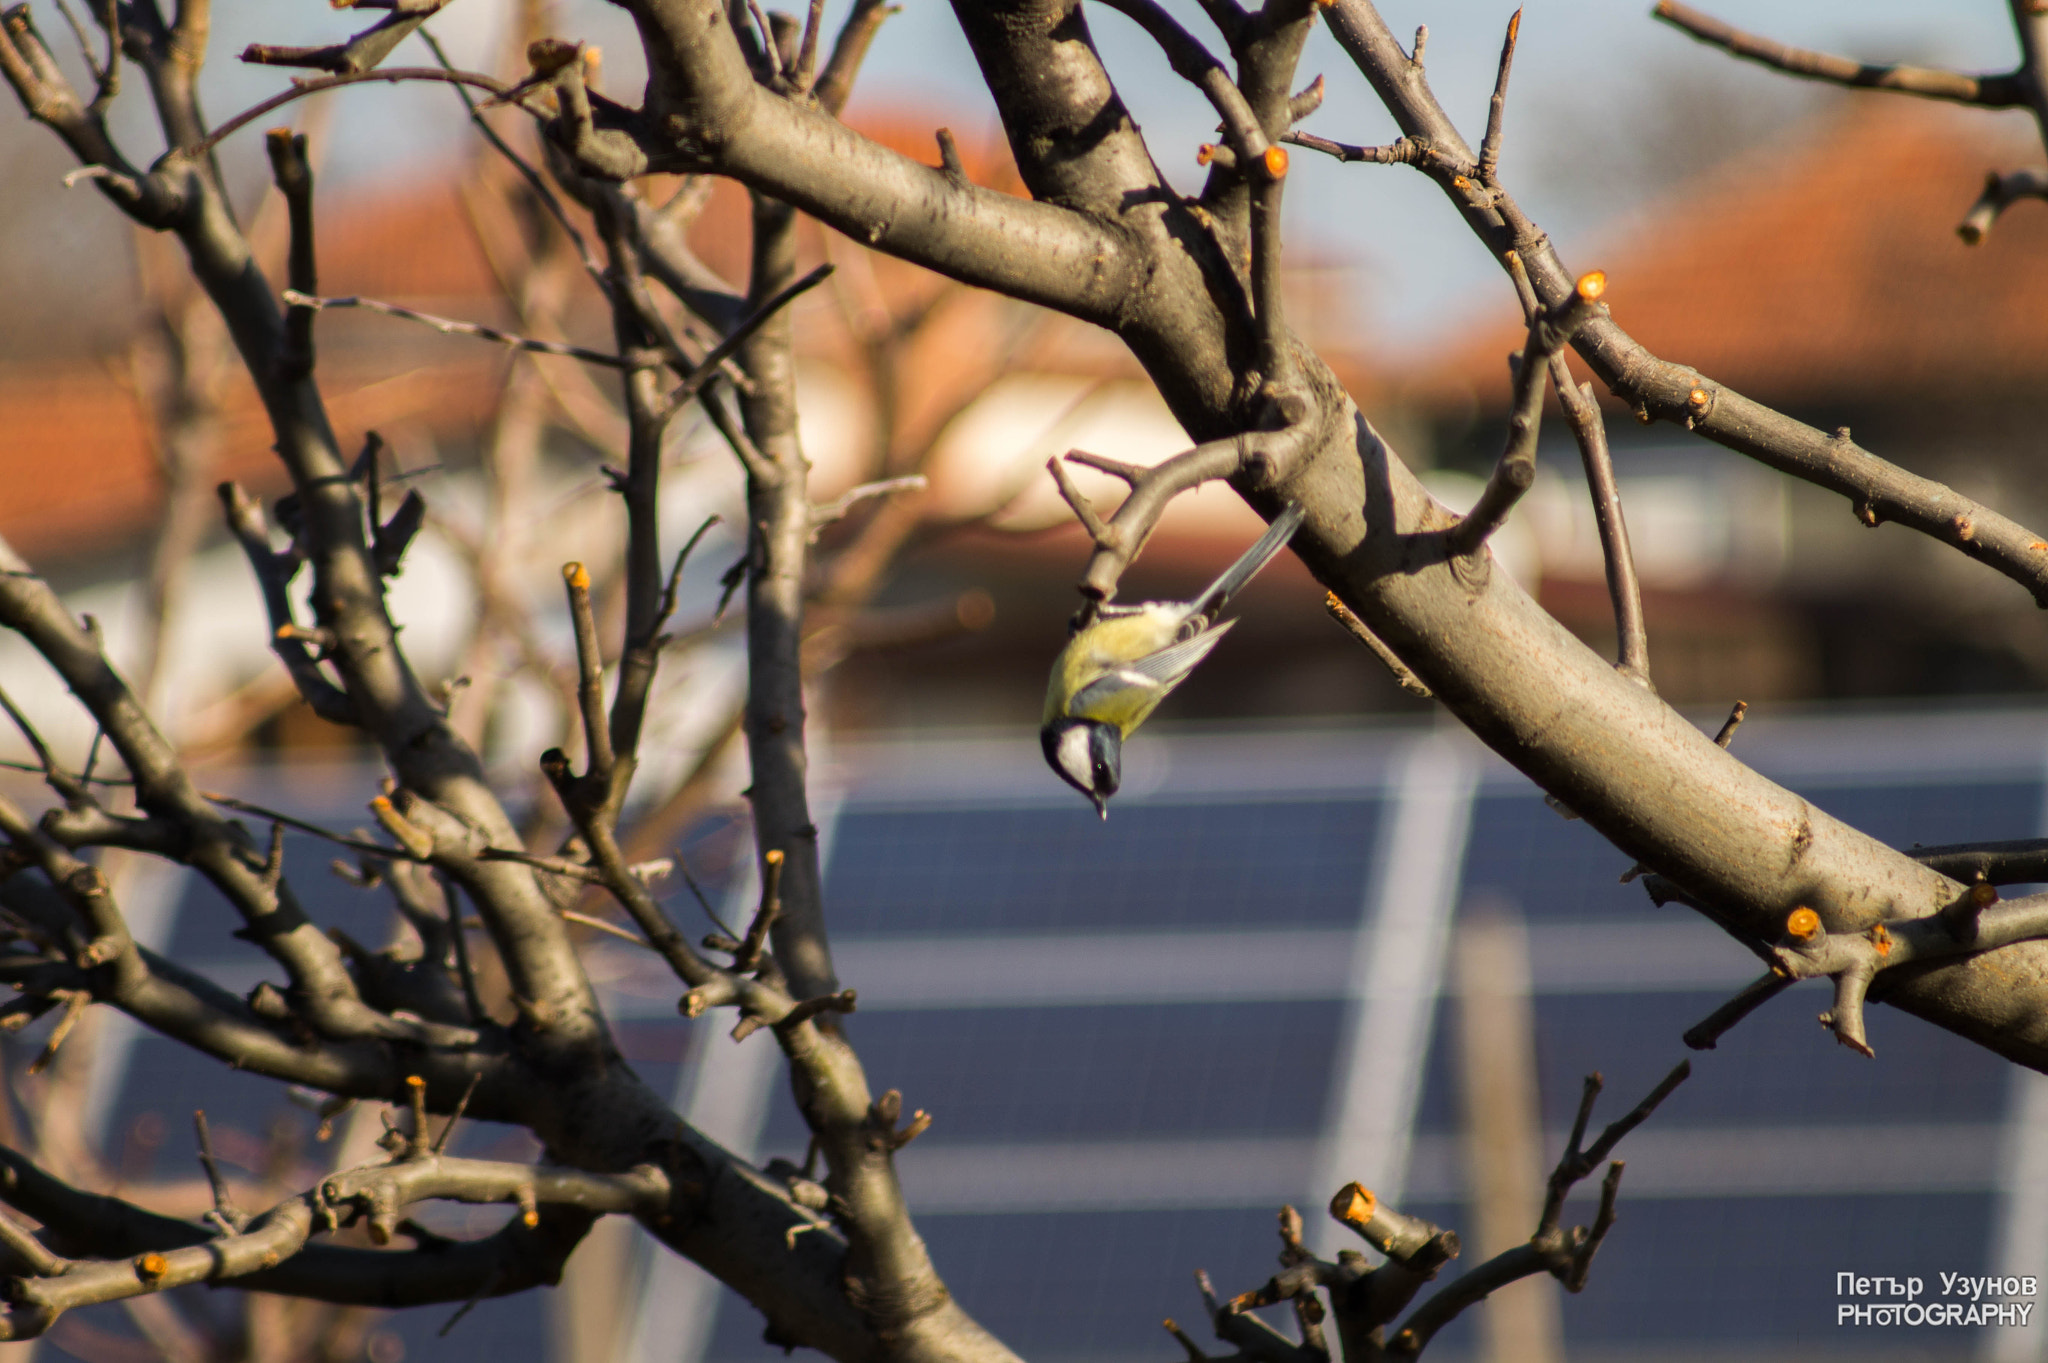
{"points": [[274, 572], [1358, 630], [378, 1193], [828, 512], [711, 365], [1489, 150], [1565, 1255], [1193, 63], [396, 75], [47, 96], [1992, 92], [2000, 193], [321, 986], [1878, 490], [534, 181], [1589, 430], [1262, 455], [590, 676], [1853, 959], [449, 327], [359, 54], [293, 176], [1703, 1035], [855, 36], [1403, 152], [225, 1214], [1549, 332]]}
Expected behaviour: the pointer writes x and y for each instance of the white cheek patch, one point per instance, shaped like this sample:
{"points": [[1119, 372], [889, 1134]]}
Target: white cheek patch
{"points": [[1074, 757]]}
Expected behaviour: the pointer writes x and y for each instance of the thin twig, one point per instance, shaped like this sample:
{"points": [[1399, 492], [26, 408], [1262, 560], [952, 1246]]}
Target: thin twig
{"points": [[590, 920], [1549, 333], [395, 75], [836, 509], [707, 368], [75, 1002], [59, 780], [1360, 631], [225, 1213], [1703, 1035], [1489, 150], [1992, 92], [461, 1106], [451, 327], [697, 891], [1404, 152], [547, 196], [458, 935]]}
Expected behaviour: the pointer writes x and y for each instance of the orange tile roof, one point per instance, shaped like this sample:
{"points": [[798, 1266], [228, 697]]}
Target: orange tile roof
{"points": [[78, 464], [1829, 271]]}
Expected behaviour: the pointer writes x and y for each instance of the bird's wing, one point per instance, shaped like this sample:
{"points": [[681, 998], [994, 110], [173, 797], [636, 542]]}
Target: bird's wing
{"points": [[1110, 695], [1166, 667], [1126, 695]]}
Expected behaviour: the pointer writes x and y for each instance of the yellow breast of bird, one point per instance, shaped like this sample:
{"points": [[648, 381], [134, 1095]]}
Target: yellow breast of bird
{"points": [[1103, 647]]}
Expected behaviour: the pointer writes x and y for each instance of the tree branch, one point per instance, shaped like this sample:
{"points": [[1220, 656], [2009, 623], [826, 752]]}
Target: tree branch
{"points": [[307, 303], [1878, 490], [2001, 91], [376, 1193], [321, 988], [2000, 193], [1565, 1255], [360, 53], [1550, 330]]}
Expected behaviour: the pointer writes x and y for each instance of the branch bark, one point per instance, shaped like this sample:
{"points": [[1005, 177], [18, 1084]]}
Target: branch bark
{"points": [[2001, 91]]}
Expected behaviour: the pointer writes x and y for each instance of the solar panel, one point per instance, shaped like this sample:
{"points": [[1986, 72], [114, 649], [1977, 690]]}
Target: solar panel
{"points": [[1138, 1038]]}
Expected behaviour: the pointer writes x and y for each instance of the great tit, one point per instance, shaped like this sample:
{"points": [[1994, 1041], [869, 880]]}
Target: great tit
{"points": [[1123, 660]]}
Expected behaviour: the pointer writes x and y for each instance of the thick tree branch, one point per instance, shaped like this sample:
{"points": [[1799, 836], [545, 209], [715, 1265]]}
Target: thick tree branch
{"points": [[779, 521], [712, 116]]}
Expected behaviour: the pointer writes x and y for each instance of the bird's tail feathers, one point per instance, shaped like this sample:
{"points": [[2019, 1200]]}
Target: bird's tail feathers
{"points": [[1248, 563]]}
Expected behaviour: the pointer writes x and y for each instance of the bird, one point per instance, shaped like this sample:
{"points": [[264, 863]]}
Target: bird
{"points": [[1121, 661]]}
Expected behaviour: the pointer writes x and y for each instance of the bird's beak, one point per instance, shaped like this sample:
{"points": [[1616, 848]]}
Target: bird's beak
{"points": [[1101, 806]]}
